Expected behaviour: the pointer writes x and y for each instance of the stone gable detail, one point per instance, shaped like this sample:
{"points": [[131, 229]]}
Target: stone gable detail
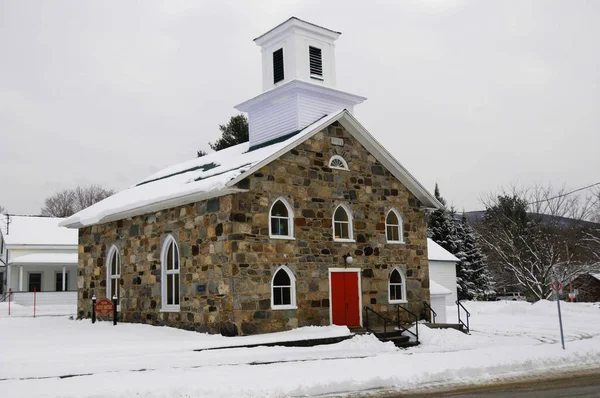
{"points": [[228, 260]]}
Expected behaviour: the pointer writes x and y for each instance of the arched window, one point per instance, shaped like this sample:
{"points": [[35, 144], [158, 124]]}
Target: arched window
{"points": [[397, 287], [283, 289], [281, 218], [170, 275], [338, 162], [113, 273], [393, 227], [342, 224]]}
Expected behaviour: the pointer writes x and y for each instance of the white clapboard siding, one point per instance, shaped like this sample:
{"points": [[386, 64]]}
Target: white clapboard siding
{"points": [[312, 107], [444, 273], [277, 119]]}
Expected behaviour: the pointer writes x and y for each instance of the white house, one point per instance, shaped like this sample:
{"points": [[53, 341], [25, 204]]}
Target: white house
{"points": [[442, 269], [39, 255], [3, 252]]}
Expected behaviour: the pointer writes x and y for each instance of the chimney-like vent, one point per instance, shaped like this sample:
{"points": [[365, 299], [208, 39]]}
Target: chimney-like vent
{"points": [[278, 66], [316, 61]]}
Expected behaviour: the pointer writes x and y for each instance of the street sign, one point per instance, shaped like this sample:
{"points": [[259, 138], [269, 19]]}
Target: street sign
{"points": [[557, 286], [572, 295], [104, 307]]}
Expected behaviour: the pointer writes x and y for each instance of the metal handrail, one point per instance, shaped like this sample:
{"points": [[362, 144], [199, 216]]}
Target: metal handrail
{"points": [[398, 307], [459, 305], [432, 313], [385, 320]]}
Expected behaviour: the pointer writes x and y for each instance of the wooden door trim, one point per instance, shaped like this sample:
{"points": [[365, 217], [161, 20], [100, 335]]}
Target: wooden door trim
{"points": [[358, 273]]}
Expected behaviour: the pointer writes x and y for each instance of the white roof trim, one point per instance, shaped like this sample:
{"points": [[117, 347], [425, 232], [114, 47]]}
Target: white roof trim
{"points": [[305, 134], [298, 84], [367, 140], [46, 258], [154, 207], [342, 116], [390, 163], [436, 252]]}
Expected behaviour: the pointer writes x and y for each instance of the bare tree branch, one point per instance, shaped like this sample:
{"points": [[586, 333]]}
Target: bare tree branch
{"points": [[69, 201], [534, 235]]}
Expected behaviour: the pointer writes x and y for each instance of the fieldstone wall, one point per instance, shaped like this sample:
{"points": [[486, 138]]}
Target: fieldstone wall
{"points": [[303, 178], [201, 231], [225, 247]]}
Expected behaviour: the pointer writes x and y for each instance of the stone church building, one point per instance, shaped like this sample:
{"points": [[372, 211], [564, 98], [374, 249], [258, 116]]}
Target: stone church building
{"points": [[306, 224]]}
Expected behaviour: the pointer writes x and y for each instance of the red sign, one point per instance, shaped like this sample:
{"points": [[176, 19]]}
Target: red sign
{"points": [[104, 307], [556, 286]]}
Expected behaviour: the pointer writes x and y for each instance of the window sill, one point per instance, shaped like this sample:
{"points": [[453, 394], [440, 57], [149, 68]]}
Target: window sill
{"points": [[282, 237], [396, 242], [284, 307], [344, 240], [397, 302], [170, 309]]}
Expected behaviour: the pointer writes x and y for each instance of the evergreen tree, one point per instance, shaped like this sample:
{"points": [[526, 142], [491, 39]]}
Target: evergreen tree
{"points": [[439, 226], [457, 236], [472, 273], [233, 133]]}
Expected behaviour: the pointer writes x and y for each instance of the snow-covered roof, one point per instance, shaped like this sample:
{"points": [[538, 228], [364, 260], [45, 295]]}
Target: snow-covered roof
{"points": [[597, 276], [217, 173], [46, 258], [36, 230], [436, 252], [435, 289]]}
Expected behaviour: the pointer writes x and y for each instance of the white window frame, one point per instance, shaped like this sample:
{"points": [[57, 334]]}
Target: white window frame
{"points": [[109, 275], [338, 157], [403, 286], [290, 218], [398, 226], [164, 272], [292, 305], [350, 224]]}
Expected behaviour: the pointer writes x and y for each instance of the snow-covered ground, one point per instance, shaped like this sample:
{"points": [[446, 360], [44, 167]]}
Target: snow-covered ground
{"points": [[508, 339]]}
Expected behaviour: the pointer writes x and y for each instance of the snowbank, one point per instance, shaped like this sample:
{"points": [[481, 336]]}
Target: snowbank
{"points": [[508, 340]]}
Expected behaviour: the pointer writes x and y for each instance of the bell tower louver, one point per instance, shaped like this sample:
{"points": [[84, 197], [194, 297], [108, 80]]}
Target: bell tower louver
{"points": [[298, 75]]}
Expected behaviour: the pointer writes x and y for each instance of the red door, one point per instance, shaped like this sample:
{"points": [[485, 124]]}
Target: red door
{"points": [[345, 308]]}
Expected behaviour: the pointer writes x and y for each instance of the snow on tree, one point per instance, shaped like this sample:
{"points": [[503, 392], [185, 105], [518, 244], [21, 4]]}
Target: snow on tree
{"points": [[456, 236]]}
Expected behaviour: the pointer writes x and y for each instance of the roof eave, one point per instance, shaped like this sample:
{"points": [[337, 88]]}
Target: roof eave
{"points": [[153, 207], [428, 200]]}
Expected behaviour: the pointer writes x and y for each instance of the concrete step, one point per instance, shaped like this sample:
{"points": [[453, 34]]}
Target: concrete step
{"points": [[457, 326], [390, 334]]}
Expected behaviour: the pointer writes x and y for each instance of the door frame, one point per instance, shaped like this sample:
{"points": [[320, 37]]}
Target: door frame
{"points": [[41, 273], [358, 273]]}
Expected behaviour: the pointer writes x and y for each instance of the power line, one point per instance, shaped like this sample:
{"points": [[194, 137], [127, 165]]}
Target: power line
{"points": [[564, 194]]}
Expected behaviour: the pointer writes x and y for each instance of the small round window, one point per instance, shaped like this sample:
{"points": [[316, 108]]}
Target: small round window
{"points": [[338, 162]]}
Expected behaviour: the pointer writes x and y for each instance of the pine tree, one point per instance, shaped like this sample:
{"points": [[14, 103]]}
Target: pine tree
{"points": [[439, 226], [233, 133], [457, 236], [479, 271]]}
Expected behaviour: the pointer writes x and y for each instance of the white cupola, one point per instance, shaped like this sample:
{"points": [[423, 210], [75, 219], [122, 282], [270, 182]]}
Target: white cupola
{"points": [[298, 73]]}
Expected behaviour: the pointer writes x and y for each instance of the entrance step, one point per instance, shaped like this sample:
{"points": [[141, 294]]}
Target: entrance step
{"points": [[389, 334], [458, 326]]}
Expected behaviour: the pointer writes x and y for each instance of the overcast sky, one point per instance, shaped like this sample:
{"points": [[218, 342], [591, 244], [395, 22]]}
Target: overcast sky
{"points": [[473, 95]]}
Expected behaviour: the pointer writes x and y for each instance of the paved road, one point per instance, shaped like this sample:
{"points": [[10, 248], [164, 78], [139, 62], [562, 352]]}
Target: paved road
{"points": [[584, 384], [587, 386]]}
